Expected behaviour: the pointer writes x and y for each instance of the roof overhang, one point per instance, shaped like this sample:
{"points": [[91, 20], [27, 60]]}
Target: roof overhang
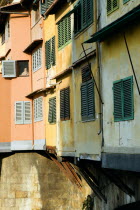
{"points": [[54, 7], [32, 94], [4, 56], [115, 26], [62, 73], [33, 45]]}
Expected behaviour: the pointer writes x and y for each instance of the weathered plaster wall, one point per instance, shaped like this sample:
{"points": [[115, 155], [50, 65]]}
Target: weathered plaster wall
{"points": [[122, 136], [123, 9], [31, 181]]}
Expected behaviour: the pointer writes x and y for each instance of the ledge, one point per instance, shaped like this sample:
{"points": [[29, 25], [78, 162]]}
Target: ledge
{"points": [[4, 56], [33, 45], [62, 73], [30, 95]]}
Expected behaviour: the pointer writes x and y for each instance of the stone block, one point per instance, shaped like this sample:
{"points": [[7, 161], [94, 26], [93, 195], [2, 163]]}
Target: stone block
{"points": [[22, 194]]}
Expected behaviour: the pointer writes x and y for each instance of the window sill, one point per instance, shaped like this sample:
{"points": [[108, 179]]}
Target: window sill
{"points": [[38, 120], [122, 120], [112, 11], [60, 48], [88, 120]]}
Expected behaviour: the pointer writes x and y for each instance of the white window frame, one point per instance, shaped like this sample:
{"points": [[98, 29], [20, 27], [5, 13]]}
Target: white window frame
{"points": [[23, 117], [38, 109], [37, 59]]}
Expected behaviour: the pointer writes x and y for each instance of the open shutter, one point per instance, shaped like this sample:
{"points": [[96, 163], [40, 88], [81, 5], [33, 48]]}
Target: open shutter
{"points": [[128, 98], [90, 99], [67, 103], [89, 11], [109, 6], [118, 106], [27, 112], [54, 109], [62, 105], [48, 54], [9, 68], [19, 112], [84, 105], [53, 51]]}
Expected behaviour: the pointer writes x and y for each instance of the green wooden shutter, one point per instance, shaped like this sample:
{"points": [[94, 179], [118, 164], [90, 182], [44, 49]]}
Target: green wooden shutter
{"points": [[67, 103], [54, 109], [125, 1], [53, 51], [19, 112], [50, 116], [59, 34], [69, 28], [86, 73], [115, 4], [89, 11], [128, 98], [84, 13], [109, 6], [90, 99], [118, 101], [48, 54], [45, 6], [62, 105], [84, 105], [27, 112]]}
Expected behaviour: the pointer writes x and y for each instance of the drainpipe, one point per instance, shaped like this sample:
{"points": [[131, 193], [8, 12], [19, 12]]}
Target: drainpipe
{"points": [[99, 66]]}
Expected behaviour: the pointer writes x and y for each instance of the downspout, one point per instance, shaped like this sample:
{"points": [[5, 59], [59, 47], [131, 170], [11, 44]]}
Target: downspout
{"points": [[99, 66]]}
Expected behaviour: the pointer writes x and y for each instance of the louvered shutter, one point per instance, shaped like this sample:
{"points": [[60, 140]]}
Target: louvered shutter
{"points": [[69, 28], [48, 54], [19, 112], [62, 111], [45, 5], [53, 51], [54, 109], [90, 99], [59, 34], [9, 68], [118, 106], [124, 1], [86, 73], [89, 11], [84, 13], [84, 105], [128, 98], [27, 112], [67, 103], [109, 6], [40, 108], [50, 116], [115, 4]]}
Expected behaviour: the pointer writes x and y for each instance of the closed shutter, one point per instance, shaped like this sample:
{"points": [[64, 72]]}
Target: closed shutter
{"points": [[115, 4], [69, 28], [87, 100], [19, 112], [84, 112], [27, 112], [52, 110], [62, 105], [40, 108], [48, 54], [90, 99], [53, 51], [128, 98], [86, 73], [84, 13], [59, 34], [67, 103], [118, 106], [9, 68], [35, 109]]}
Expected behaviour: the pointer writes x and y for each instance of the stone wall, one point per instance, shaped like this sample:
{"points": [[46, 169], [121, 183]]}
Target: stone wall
{"points": [[30, 181]]}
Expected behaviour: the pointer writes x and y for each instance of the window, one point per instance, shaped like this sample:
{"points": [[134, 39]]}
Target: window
{"points": [[38, 109], [23, 112], [12, 68], [7, 30], [123, 99], [50, 52], [52, 110], [83, 15], [65, 104], [112, 5], [87, 95], [64, 32], [37, 60]]}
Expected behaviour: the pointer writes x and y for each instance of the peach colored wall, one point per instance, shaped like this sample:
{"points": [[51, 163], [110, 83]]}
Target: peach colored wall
{"points": [[5, 107], [20, 86]]}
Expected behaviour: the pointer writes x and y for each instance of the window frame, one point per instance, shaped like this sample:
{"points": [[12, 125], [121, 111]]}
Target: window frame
{"points": [[37, 53], [123, 118]]}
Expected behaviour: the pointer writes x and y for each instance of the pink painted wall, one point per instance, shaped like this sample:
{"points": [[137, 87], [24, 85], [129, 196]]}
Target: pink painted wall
{"points": [[20, 86]]}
